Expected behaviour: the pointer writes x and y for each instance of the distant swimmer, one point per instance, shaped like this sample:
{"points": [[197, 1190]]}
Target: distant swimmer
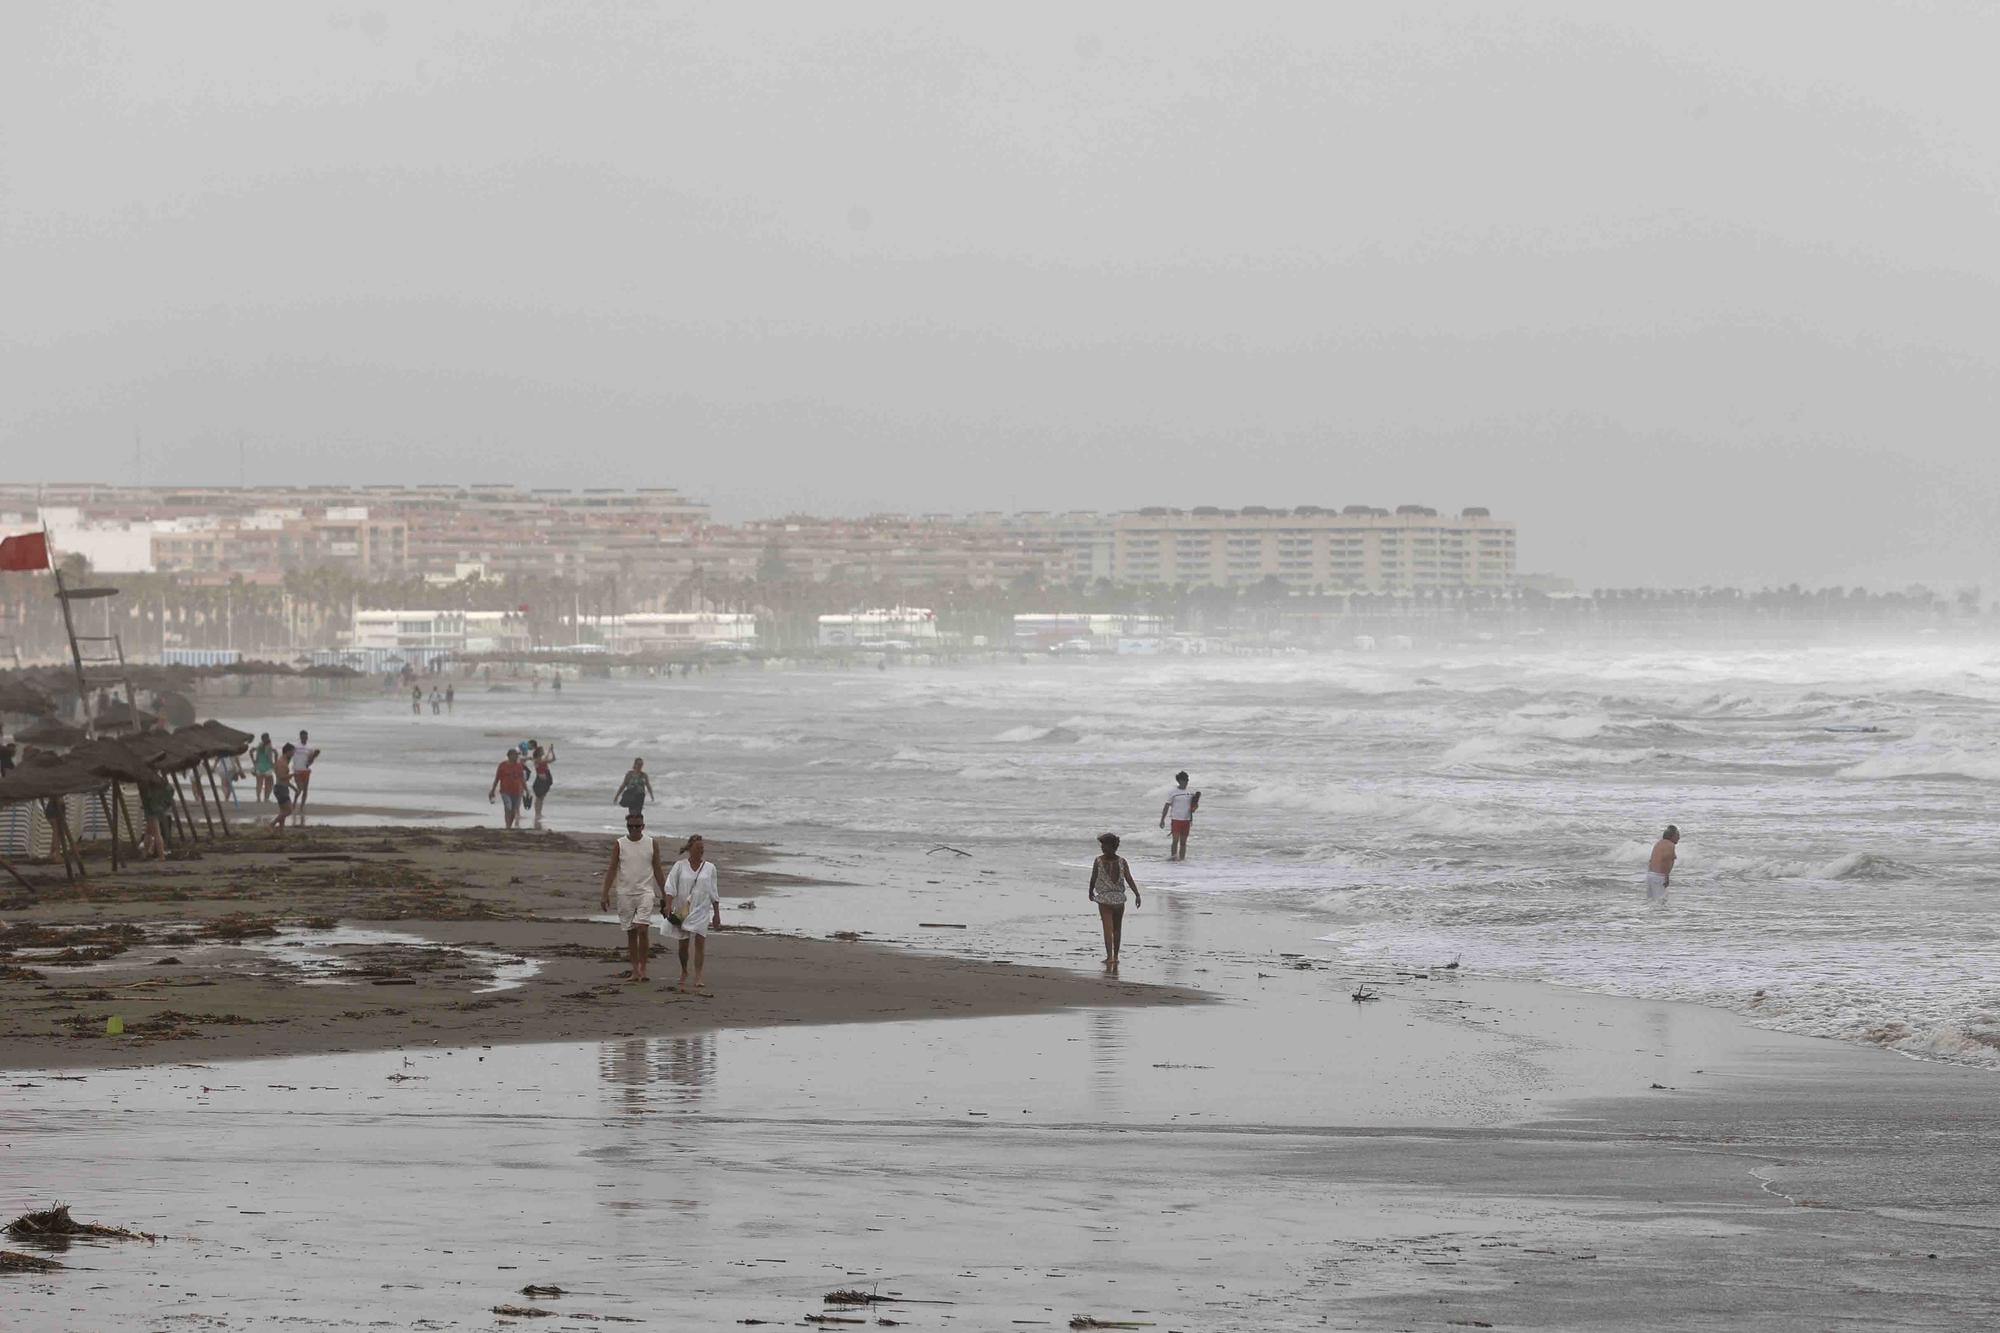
{"points": [[1110, 876], [1660, 866], [1180, 807]]}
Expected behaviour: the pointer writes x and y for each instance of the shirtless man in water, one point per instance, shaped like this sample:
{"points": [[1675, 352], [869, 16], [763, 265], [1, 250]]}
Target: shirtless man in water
{"points": [[1660, 866]]}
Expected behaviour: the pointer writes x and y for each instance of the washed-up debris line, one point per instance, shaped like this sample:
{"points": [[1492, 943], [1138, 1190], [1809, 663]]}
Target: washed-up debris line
{"points": [[56, 1221], [13, 1261]]}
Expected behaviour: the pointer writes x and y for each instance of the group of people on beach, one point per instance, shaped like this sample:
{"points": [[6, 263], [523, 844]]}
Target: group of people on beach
{"points": [[522, 782], [284, 774]]}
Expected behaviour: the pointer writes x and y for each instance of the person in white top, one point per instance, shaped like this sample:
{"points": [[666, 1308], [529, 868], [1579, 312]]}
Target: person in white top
{"points": [[694, 907], [636, 876], [303, 759], [1180, 807]]}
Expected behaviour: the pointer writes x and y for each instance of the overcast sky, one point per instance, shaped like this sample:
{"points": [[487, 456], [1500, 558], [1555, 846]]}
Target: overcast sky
{"points": [[1695, 292]]}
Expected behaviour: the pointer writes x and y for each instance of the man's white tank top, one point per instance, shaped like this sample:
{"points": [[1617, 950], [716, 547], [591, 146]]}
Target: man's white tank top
{"points": [[635, 866]]}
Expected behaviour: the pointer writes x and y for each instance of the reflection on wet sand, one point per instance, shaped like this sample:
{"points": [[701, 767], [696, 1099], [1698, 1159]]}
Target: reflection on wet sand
{"points": [[1178, 913], [1108, 1039], [648, 1074]]}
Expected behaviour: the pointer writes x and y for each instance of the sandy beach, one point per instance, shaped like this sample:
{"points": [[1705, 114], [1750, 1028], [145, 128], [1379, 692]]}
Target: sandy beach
{"points": [[914, 1079], [353, 939]]}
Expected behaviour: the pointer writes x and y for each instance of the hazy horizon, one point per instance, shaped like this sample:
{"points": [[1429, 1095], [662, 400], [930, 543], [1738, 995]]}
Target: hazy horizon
{"points": [[1695, 294]]}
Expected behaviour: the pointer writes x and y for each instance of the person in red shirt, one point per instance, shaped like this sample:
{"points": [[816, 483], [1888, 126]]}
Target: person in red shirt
{"points": [[510, 780]]}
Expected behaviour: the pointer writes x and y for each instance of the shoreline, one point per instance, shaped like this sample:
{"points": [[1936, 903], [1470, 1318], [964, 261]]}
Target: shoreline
{"points": [[1233, 1144], [357, 938]]}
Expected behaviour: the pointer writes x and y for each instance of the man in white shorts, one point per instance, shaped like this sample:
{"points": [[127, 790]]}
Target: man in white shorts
{"points": [[1660, 866], [635, 878]]}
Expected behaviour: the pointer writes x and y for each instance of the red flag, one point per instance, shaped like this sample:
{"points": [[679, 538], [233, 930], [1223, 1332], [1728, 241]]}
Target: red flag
{"points": [[29, 551]]}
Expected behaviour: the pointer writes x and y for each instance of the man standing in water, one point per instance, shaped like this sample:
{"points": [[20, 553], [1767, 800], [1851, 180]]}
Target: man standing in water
{"points": [[1180, 807], [1660, 866]]}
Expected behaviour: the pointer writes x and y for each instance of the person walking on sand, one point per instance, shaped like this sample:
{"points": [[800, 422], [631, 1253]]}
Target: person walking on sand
{"points": [[510, 780], [156, 802], [1660, 865], [694, 907], [437, 701], [417, 700], [260, 764], [303, 759], [1110, 876], [1180, 807], [636, 788], [545, 778], [636, 879], [281, 783], [450, 697]]}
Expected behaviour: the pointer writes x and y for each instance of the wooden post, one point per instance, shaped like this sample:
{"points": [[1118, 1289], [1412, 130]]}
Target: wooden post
{"points": [[186, 819], [216, 787], [8, 866], [118, 801], [110, 823], [59, 822], [194, 780]]}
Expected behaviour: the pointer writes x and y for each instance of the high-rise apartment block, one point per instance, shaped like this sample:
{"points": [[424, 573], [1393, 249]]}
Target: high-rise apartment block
{"points": [[1356, 549]]}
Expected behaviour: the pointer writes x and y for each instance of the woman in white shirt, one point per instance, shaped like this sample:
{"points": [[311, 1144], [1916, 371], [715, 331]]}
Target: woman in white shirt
{"points": [[694, 906]]}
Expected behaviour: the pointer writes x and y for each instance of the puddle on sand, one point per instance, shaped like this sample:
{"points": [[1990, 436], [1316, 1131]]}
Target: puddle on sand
{"points": [[324, 956]]}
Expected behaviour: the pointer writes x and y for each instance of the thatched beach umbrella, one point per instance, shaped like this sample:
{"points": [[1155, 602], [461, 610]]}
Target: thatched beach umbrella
{"points": [[50, 734], [47, 777], [19, 696]]}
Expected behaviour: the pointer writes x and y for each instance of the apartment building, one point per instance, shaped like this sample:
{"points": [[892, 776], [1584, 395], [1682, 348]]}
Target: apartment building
{"points": [[1081, 538], [894, 549], [375, 531], [1357, 549], [261, 547]]}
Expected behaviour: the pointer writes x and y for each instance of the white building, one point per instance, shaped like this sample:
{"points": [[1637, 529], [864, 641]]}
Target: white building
{"points": [[887, 627], [419, 636], [1104, 633], [669, 631], [111, 548]]}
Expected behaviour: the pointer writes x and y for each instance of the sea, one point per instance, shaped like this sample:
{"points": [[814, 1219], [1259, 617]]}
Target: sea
{"points": [[1491, 806]]}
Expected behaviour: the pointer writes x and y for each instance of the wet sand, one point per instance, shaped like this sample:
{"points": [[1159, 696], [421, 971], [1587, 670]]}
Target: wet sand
{"points": [[323, 940], [1458, 1153]]}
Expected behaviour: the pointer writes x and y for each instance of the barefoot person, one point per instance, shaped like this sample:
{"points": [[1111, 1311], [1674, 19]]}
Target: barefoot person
{"points": [[1180, 807], [260, 764], [635, 879], [1660, 865], [694, 906], [156, 800], [544, 779], [281, 784], [510, 780], [304, 756], [1109, 878]]}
